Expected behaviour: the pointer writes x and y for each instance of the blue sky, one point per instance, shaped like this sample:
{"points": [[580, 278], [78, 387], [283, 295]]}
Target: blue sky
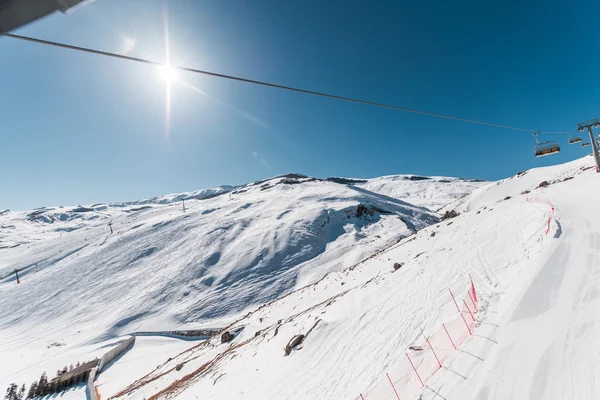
{"points": [[79, 129]]}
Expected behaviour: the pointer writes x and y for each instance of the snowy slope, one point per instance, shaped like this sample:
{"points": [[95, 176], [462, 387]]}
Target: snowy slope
{"points": [[432, 192], [360, 321], [367, 316], [547, 323], [166, 269], [521, 183]]}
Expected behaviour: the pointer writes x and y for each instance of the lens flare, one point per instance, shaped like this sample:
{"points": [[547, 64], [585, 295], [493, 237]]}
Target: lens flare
{"points": [[167, 73]]}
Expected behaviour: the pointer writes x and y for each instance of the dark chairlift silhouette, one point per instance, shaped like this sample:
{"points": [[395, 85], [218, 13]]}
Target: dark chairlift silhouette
{"points": [[574, 139], [545, 148]]}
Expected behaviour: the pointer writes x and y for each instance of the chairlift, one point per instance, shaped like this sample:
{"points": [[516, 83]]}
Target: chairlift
{"points": [[574, 139], [580, 129], [585, 144], [545, 148]]}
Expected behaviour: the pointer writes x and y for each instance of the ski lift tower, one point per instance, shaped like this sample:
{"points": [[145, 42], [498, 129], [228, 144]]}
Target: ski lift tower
{"points": [[594, 123]]}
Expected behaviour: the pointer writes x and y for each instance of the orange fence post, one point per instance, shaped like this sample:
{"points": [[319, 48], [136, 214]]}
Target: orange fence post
{"points": [[468, 309], [416, 372], [389, 379], [473, 288], [451, 294], [436, 357], [465, 321], [473, 301], [451, 341]]}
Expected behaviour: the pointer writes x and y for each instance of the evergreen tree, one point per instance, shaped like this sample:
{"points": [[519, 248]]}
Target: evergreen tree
{"points": [[42, 387], [32, 390], [11, 392], [21, 394]]}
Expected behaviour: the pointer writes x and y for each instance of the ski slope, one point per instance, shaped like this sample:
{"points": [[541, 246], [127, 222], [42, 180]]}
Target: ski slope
{"points": [[359, 322], [163, 268], [534, 337], [548, 324]]}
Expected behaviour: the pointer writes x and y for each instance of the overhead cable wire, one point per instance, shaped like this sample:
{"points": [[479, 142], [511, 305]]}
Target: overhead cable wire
{"points": [[262, 83]]}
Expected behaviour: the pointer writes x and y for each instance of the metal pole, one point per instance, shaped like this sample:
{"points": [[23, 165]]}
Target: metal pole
{"points": [[594, 149]]}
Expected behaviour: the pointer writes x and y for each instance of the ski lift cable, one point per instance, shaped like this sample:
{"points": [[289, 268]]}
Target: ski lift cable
{"points": [[262, 83]]}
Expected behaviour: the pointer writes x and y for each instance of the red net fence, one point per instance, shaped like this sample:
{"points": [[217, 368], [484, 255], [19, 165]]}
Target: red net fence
{"points": [[547, 202], [407, 380]]}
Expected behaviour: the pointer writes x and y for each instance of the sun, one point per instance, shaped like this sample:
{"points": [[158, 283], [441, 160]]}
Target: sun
{"points": [[167, 73]]}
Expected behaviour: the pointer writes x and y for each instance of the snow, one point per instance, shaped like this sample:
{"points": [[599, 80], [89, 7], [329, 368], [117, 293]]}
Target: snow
{"points": [[77, 392], [290, 255], [145, 355], [365, 317], [83, 288], [548, 322], [432, 192]]}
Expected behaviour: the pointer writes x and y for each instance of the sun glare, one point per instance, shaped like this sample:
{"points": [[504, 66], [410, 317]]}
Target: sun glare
{"points": [[167, 73]]}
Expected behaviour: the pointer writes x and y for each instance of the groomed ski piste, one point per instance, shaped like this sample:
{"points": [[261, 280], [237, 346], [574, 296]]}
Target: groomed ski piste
{"points": [[533, 338]]}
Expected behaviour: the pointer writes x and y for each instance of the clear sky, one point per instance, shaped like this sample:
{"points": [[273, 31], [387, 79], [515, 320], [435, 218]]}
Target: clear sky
{"points": [[78, 128]]}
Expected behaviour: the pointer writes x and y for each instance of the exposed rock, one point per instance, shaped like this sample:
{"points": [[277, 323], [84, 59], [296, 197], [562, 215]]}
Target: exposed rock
{"points": [[450, 214], [543, 184], [397, 266], [361, 210], [226, 337], [345, 181], [296, 340]]}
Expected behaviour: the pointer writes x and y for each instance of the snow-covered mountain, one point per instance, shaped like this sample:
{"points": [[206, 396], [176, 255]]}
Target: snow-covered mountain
{"points": [[359, 322], [334, 260], [163, 268]]}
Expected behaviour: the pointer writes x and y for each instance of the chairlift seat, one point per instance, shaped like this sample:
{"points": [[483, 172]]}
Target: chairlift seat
{"points": [[586, 144], [575, 139], [545, 149]]}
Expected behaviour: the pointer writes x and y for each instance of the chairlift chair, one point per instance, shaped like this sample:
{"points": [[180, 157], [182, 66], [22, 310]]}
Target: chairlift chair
{"points": [[585, 144], [574, 139], [545, 148], [580, 129]]}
